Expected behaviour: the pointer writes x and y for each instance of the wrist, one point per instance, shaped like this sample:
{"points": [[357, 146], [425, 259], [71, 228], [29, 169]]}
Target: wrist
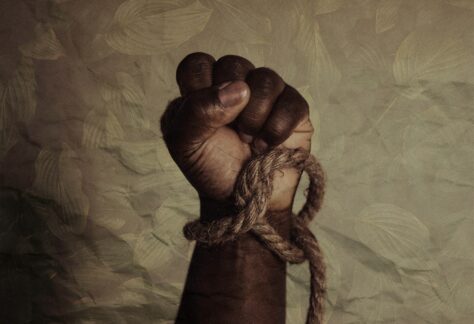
{"points": [[240, 281], [280, 218]]}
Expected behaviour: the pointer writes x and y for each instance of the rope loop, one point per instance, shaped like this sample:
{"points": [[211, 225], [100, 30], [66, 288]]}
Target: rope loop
{"points": [[252, 191]]}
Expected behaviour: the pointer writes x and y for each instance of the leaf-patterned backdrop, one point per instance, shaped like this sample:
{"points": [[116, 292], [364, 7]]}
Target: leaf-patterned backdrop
{"points": [[92, 206]]}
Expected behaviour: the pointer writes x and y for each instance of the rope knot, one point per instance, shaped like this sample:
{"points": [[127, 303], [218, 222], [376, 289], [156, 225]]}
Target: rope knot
{"points": [[252, 191]]}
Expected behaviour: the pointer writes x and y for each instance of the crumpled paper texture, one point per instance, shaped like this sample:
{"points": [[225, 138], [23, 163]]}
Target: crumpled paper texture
{"points": [[93, 206]]}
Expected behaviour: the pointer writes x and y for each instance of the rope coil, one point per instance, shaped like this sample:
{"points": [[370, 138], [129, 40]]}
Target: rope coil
{"points": [[252, 191]]}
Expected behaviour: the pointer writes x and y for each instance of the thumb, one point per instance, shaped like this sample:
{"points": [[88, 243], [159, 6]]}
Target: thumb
{"points": [[194, 118], [219, 105]]}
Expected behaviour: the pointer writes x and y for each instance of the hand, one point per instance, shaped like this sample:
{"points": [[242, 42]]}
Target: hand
{"points": [[229, 110]]}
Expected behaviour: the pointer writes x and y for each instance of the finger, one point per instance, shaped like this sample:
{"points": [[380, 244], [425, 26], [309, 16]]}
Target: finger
{"points": [[194, 72], [265, 87], [289, 111], [189, 121], [218, 106], [170, 117], [231, 68]]}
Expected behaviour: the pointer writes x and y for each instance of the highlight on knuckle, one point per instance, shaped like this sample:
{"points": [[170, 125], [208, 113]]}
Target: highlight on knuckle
{"points": [[294, 103], [250, 122], [277, 130], [231, 68], [233, 62], [264, 82], [196, 63]]}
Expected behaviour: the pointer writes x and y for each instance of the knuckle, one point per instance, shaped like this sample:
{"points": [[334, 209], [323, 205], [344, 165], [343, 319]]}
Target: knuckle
{"points": [[196, 60], [250, 122], [301, 108], [294, 102], [277, 130], [194, 64], [231, 67], [264, 82], [290, 110], [251, 117], [233, 62]]}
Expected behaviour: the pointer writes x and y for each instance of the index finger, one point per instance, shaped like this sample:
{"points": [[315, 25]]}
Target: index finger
{"points": [[194, 72]]}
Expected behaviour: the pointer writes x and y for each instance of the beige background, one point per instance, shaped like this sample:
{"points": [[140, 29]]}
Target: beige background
{"points": [[391, 89]]}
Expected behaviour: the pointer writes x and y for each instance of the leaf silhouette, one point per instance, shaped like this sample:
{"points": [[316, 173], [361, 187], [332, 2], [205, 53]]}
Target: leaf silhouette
{"points": [[126, 99], [321, 69], [460, 275], [138, 156], [95, 279], [386, 15], [8, 131], [153, 252], [18, 98], [395, 234], [153, 27], [429, 54], [114, 252], [326, 6], [170, 218], [361, 253], [59, 181], [149, 191], [460, 241], [45, 46], [255, 53], [163, 78], [238, 22], [468, 4], [373, 298], [372, 57], [163, 297], [428, 295], [426, 146], [100, 129]]}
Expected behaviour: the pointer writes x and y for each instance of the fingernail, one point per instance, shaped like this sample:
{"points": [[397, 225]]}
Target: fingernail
{"points": [[232, 93], [260, 144], [223, 85]]}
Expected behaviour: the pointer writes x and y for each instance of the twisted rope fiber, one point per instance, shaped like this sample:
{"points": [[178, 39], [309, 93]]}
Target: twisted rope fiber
{"points": [[252, 191]]}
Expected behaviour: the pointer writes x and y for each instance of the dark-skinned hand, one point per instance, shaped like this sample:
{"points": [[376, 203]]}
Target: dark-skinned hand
{"points": [[229, 110]]}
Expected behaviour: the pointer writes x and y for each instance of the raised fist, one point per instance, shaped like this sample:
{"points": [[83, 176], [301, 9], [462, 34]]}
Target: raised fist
{"points": [[229, 110]]}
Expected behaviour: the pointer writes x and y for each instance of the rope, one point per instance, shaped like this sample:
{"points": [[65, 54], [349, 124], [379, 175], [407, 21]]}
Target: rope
{"points": [[252, 191]]}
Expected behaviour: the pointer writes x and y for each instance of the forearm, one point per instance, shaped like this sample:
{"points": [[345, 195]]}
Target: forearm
{"points": [[211, 133], [237, 282]]}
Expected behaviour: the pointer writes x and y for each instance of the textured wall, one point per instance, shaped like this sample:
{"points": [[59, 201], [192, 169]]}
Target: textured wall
{"points": [[92, 205]]}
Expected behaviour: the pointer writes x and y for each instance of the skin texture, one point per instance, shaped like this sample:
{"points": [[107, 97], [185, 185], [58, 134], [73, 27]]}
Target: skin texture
{"points": [[228, 111], [211, 140]]}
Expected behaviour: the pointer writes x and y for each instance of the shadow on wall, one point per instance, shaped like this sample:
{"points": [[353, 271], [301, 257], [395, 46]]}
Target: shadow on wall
{"points": [[34, 285], [46, 279]]}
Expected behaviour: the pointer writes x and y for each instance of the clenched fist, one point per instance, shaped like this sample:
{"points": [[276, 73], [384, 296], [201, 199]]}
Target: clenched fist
{"points": [[229, 110]]}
